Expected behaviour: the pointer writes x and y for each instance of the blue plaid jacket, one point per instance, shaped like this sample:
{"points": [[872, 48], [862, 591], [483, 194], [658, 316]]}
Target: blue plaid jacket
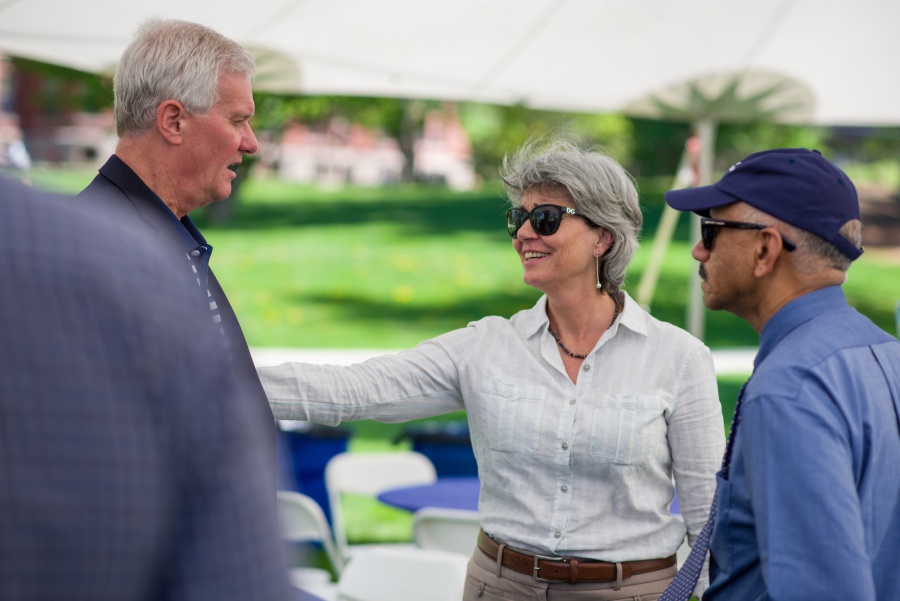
{"points": [[130, 467]]}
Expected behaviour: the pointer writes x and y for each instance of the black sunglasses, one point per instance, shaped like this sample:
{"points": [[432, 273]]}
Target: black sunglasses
{"points": [[545, 219], [710, 227]]}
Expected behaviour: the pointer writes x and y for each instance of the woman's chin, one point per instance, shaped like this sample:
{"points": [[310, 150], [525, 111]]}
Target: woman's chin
{"points": [[534, 282]]}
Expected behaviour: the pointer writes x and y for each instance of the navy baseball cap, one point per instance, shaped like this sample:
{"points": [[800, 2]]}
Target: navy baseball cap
{"points": [[795, 185]]}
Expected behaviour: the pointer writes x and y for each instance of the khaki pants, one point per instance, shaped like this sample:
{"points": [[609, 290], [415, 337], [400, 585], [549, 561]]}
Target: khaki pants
{"points": [[486, 580]]}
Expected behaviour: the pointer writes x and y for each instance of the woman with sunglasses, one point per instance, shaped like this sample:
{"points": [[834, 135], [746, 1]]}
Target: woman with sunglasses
{"points": [[581, 409]]}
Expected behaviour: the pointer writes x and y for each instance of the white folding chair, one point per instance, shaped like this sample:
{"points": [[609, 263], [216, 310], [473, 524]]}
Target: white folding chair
{"points": [[369, 474], [454, 530], [403, 574], [302, 520]]}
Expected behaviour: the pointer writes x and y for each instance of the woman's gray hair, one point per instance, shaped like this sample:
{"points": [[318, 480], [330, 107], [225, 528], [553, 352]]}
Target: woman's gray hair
{"points": [[172, 60], [596, 183]]}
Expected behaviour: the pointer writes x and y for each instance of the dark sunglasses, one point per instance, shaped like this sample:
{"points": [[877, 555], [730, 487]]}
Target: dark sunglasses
{"points": [[545, 219], [709, 228]]}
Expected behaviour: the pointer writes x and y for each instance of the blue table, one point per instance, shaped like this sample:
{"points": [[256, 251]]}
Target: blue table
{"points": [[449, 493], [673, 508]]}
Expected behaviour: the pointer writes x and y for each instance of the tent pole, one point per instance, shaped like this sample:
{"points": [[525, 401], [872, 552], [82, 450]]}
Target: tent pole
{"points": [[706, 129], [684, 178]]}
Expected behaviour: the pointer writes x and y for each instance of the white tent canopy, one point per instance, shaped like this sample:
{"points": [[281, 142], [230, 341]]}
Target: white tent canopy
{"points": [[580, 55], [705, 61]]}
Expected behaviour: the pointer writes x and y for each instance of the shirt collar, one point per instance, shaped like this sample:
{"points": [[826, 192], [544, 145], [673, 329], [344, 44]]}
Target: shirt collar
{"points": [[795, 313], [195, 233], [151, 207], [630, 316]]}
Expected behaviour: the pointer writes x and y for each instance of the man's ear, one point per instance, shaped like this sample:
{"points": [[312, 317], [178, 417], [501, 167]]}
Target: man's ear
{"points": [[170, 121], [768, 248]]}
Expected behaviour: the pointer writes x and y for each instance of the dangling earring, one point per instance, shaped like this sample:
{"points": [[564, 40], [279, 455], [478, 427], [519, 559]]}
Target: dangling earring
{"points": [[599, 284]]}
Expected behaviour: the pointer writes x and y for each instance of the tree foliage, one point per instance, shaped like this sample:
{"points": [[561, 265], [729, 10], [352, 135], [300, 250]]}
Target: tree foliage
{"points": [[646, 147], [398, 118], [65, 90], [735, 141], [496, 130]]}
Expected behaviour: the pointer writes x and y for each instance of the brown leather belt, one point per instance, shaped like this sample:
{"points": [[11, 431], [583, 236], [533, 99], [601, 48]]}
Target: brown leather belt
{"points": [[545, 568]]}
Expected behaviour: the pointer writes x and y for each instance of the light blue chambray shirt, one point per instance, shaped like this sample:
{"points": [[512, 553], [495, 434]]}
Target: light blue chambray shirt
{"points": [[810, 507], [582, 469]]}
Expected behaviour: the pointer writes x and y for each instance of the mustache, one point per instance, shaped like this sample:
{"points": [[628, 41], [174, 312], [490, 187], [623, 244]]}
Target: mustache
{"points": [[702, 271]]}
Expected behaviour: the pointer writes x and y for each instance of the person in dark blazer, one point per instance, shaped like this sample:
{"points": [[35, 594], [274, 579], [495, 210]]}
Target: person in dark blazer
{"points": [[183, 104], [129, 468]]}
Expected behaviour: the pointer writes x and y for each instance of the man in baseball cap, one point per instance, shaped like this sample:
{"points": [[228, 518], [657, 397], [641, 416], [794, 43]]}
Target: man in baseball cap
{"points": [[808, 501]]}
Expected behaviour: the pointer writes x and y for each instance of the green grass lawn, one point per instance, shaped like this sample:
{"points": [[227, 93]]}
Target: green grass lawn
{"points": [[390, 267]]}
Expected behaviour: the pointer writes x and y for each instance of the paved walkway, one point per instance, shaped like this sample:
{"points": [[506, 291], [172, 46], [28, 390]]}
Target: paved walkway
{"points": [[727, 361]]}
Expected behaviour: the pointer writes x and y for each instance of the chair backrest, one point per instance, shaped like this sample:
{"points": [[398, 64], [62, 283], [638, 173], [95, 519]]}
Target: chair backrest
{"points": [[403, 574], [302, 520], [454, 530], [369, 474]]}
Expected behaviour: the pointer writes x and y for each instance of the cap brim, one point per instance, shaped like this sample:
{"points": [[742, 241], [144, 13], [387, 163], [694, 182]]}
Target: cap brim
{"points": [[699, 200]]}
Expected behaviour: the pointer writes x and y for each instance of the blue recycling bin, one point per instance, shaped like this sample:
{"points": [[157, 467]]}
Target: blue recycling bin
{"points": [[446, 444], [307, 449]]}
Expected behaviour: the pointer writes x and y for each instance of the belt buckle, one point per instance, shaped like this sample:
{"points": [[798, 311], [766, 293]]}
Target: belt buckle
{"points": [[537, 558]]}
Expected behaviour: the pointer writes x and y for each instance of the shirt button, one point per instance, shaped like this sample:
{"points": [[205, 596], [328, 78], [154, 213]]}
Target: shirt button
{"points": [[572, 401], [565, 446], [587, 368], [195, 253], [564, 488], [557, 534]]}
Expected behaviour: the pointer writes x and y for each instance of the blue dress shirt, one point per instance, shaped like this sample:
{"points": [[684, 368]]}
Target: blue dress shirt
{"points": [[811, 509]]}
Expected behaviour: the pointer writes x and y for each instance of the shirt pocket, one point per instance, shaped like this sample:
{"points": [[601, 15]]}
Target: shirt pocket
{"points": [[627, 429], [515, 412]]}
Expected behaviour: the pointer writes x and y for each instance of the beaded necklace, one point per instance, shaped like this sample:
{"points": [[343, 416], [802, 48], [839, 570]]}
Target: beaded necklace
{"points": [[576, 355]]}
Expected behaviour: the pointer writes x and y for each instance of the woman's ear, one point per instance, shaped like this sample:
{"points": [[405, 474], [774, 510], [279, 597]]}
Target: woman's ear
{"points": [[604, 241]]}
